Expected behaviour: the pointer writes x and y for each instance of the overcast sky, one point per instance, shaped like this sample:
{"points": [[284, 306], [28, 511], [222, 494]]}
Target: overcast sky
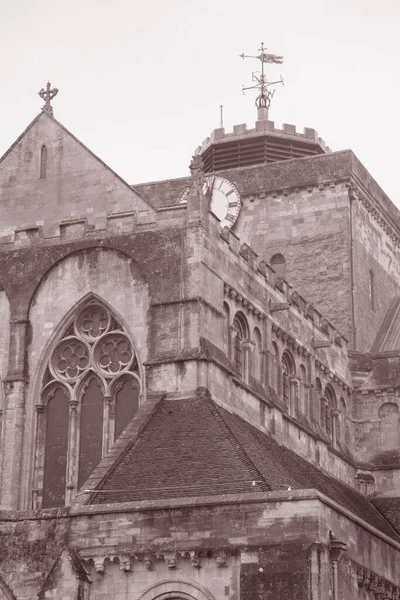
{"points": [[141, 83]]}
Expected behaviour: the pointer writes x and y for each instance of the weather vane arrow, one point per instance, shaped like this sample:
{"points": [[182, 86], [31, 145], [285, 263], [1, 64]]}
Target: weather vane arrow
{"points": [[263, 100]]}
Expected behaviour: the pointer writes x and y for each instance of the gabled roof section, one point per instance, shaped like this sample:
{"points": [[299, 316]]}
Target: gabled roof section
{"points": [[185, 450], [77, 183], [162, 193], [192, 447], [388, 336]]}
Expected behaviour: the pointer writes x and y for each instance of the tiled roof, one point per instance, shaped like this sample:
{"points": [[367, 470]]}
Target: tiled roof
{"points": [[282, 467], [390, 507], [185, 450], [192, 447]]}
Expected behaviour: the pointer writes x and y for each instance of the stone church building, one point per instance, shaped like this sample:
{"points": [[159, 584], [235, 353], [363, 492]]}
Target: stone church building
{"points": [[200, 376]]}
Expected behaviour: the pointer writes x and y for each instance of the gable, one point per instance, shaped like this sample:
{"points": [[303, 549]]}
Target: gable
{"points": [[74, 184]]}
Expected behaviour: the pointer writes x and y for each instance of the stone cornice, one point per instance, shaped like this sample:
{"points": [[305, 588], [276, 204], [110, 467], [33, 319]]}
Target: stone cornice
{"points": [[242, 302], [377, 213]]}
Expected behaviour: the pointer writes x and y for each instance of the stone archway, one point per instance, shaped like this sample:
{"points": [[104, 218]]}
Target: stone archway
{"points": [[176, 589]]}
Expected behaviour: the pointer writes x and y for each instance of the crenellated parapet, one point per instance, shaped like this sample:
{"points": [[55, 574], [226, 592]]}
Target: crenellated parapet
{"points": [[263, 144], [82, 227], [288, 298]]}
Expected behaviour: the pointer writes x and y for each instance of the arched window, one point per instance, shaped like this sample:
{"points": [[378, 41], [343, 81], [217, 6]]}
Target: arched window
{"points": [[90, 392], [389, 426], [43, 162], [330, 413], [278, 263], [288, 369], [257, 354], [241, 334]]}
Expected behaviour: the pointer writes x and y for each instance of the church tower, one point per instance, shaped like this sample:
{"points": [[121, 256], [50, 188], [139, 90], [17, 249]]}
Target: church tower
{"points": [[199, 377]]}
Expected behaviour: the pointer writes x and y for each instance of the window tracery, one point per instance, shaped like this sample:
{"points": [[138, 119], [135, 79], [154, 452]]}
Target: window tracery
{"points": [[90, 392]]}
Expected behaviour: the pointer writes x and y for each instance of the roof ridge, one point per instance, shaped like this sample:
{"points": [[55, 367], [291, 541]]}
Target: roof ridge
{"points": [[240, 451]]}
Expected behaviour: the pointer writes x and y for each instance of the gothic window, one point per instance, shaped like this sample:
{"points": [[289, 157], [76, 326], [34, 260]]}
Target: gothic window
{"points": [[43, 162], [90, 393], [278, 263], [257, 362], [241, 333], [287, 371]]}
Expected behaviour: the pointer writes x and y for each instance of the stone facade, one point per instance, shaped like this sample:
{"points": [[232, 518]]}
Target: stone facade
{"points": [[189, 412]]}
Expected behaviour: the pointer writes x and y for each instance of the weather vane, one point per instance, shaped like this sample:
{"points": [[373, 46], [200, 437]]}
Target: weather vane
{"points": [[48, 95], [263, 100]]}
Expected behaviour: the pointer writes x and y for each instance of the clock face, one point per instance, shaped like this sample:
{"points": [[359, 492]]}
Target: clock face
{"points": [[225, 201]]}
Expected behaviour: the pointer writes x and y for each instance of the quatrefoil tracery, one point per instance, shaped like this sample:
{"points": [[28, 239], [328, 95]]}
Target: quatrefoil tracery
{"points": [[95, 342]]}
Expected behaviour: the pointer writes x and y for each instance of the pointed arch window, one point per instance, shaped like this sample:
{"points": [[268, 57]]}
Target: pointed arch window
{"points": [[90, 392]]}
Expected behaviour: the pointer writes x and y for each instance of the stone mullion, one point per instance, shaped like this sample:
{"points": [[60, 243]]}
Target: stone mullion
{"points": [[293, 395], [231, 341], [14, 416], [247, 348], [108, 424], [73, 451], [38, 476]]}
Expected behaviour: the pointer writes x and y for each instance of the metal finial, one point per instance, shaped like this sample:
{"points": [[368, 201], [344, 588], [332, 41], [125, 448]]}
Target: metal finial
{"points": [[263, 100], [48, 95]]}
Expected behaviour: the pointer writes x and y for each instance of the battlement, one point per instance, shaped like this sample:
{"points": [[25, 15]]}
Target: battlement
{"points": [[263, 144], [288, 296], [77, 227]]}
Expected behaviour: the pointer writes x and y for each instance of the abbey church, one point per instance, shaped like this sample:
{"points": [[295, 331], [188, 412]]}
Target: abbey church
{"points": [[200, 377]]}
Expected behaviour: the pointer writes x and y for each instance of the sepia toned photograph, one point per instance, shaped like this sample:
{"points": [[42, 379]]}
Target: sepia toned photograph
{"points": [[199, 300]]}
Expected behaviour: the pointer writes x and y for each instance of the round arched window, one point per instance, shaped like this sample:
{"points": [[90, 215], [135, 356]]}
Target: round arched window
{"points": [[241, 333]]}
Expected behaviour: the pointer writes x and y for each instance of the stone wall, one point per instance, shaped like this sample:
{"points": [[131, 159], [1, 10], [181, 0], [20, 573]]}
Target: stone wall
{"points": [[76, 184]]}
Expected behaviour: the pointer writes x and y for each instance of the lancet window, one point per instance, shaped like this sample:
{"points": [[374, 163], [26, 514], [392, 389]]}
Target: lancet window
{"points": [[90, 392], [241, 333], [288, 370]]}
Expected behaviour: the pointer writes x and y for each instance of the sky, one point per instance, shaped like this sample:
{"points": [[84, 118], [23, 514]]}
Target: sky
{"points": [[141, 83]]}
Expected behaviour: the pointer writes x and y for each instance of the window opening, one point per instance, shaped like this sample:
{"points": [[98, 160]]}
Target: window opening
{"points": [[43, 162], [278, 263], [91, 391]]}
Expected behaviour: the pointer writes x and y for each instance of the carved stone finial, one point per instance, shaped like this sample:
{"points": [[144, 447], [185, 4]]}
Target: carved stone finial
{"points": [[48, 95]]}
